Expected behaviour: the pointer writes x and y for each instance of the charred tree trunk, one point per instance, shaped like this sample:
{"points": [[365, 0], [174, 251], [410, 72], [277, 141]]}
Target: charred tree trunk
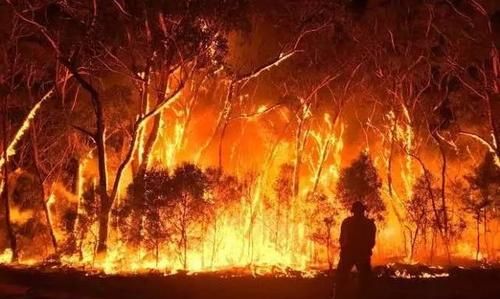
{"points": [[105, 200], [36, 162], [137, 213], [392, 192], [214, 242], [414, 242], [321, 164], [103, 231], [5, 192], [298, 158], [69, 246], [184, 224], [433, 246], [478, 235], [444, 209], [436, 211], [99, 138], [485, 232], [328, 244]]}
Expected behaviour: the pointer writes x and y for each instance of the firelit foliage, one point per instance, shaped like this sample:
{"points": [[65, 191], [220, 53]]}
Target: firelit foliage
{"points": [[360, 182]]}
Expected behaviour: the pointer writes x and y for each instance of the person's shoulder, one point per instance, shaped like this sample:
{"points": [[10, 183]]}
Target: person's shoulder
{"points": [[347, 220], [370, 222]]}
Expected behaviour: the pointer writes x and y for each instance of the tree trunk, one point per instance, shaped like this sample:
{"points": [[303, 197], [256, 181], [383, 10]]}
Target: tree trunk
{"points": [[184, 231], [392, 193], [105, 201], [36, 162], [103, 232], [444, 209], [414, 242], [99, 137], [442, 227], [298, 158], [487, 248], [137, 213], [433, 245], [321, 164], [433, 201], [157, 252], [328, 246], [214, 243], [5, 194], [478, 243]]}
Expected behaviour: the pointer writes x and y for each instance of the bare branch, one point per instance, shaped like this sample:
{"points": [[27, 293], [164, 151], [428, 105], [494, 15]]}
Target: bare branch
{"points": [[11, 148], [85, 132]]}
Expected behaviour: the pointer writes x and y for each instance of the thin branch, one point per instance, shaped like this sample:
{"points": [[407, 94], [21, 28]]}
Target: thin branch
{"points": [[85, 132], [257, 113], [42, 29], [11, 148], [481, 140], [120, 8], [274, 63]]}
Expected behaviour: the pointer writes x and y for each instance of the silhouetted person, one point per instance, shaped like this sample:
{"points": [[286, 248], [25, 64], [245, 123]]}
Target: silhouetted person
{"points": [[357, 238]]}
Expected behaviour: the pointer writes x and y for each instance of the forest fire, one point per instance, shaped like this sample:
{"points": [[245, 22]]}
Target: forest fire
{"points": [[233, 137]]}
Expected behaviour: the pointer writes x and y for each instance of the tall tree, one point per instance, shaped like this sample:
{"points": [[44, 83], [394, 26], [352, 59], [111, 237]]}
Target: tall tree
{"points": [[189, 204], [360, 182], [483, 193]]}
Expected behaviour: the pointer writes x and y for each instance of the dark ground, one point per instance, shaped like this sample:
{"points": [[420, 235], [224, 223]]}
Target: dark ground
{"points": [[23, 283]]}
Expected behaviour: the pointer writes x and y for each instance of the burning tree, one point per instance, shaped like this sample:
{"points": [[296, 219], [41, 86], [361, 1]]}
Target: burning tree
{"points": [[141, 215], [323, 217], [283, 187], [420, 212], [480, 198], [156, 192], [168, 206], [360, 182], [224, 193], [189, 205]]}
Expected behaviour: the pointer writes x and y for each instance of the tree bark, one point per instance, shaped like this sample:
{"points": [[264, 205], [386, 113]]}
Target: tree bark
{"points": [[444, 209], [103, 232], [105, 203], [478, 243], [414, 242], [5, 192], [99, 137], [36, 160]]}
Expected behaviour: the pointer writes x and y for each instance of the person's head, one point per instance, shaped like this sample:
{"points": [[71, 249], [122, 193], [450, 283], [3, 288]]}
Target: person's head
{"points": [[358, 209]]}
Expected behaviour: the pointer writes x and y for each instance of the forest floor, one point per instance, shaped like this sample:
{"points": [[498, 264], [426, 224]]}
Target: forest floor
{"points": [[420, 283]]}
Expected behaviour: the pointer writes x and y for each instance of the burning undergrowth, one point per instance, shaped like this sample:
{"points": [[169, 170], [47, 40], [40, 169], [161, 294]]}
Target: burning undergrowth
{"points": [[389, 271]]}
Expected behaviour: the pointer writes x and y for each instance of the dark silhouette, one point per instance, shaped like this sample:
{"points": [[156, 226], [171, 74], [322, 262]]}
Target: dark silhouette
{"points": [[357, 238]]}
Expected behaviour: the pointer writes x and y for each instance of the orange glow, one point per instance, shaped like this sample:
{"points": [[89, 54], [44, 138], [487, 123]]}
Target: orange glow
{"points": [[256, 231]]}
